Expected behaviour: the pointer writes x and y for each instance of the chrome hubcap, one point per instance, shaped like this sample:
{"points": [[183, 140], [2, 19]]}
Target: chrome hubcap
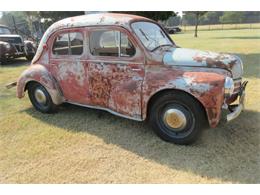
{"points": [[175, 119], [40, 96]]}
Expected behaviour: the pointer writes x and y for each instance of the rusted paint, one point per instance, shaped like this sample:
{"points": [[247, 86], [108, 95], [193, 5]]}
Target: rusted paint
{"points": [[197, 58], [207, 87], [40, 74], [125, 85]]}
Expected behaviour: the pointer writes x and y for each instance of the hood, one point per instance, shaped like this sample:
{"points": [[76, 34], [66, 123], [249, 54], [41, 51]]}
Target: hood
{"points": [[197, 58]]}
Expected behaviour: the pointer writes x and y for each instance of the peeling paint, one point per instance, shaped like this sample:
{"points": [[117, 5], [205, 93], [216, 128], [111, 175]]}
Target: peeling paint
{"points": [[125, 85]]}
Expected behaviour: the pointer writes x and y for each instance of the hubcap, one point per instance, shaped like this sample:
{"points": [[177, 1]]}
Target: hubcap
{"points": [[40, 96], [175, 119]]}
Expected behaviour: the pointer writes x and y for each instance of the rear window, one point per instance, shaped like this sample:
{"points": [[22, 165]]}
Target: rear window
{"points": [[68, 44]]}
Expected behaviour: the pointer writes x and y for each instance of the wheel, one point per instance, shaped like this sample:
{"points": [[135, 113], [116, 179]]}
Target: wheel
{"points": [[29, 57], [177, 117], [41, 99], [3, 60], [172, 31]]}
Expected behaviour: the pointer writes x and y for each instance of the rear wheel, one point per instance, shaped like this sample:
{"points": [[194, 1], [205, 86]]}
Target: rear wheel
{"points": [[40, 98], [177, 117]]}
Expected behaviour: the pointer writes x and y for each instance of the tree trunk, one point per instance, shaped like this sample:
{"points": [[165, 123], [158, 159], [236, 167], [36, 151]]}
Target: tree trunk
{"points": [[196, 25]]}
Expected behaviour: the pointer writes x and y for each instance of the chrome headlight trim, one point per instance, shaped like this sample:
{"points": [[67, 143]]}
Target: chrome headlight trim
{"points": [[229, 86]]}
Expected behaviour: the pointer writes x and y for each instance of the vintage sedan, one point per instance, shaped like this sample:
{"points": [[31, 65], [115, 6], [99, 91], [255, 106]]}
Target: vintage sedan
{"points": [[129, 66], [14, 46]]}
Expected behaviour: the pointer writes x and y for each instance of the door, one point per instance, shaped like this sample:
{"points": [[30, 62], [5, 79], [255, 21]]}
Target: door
{"points": [[68, 67], [115, 71]]}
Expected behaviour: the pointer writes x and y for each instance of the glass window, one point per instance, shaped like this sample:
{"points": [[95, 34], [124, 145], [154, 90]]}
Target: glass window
{"points": [[127, 48], [151, 35], [110, 43], [68, 44], [76, 43], [4, 30], [61, 45]]}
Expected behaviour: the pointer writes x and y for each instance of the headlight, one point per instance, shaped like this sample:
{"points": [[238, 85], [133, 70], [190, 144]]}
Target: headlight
{"points": [[229, 86], [8, 46]]}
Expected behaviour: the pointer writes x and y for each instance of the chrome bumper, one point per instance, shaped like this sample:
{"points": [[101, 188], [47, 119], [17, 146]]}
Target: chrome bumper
{"points": [[238, 108]]}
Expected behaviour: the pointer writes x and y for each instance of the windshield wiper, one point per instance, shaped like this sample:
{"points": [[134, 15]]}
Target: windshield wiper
{"points": [[143, 34]]}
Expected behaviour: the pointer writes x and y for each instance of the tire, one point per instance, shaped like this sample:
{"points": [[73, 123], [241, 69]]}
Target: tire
{"points": [[41, 99], [3, 60], [177, 117], [29, 57]]}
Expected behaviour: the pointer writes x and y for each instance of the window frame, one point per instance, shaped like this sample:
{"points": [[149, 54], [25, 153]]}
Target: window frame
{"points": [[112, 28], [141, 43], [69, 55]]}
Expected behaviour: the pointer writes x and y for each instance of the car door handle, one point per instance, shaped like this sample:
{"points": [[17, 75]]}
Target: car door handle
{"points": [[136, 69]]}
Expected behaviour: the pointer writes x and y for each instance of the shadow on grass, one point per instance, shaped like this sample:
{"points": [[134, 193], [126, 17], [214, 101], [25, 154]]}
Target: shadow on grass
{"points": [[238, 37], [229, 152]]}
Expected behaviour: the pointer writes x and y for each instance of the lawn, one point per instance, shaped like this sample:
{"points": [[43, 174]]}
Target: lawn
{"points": [[80, 145]]}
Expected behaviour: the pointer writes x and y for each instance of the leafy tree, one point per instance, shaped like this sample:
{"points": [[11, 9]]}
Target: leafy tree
{"points": [[211, 17], [154, 15], [58, 15], [196, 17], [232, 17]]}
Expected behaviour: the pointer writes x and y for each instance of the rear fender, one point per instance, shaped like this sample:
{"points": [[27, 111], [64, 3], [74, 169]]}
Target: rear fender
{"points": [[40, 74]]}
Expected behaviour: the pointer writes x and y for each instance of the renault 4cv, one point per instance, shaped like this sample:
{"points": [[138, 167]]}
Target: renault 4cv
{"points": [[128, 65]]}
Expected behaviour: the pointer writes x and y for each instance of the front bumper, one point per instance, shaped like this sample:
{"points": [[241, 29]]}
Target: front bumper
{"points": [[237, 109]]}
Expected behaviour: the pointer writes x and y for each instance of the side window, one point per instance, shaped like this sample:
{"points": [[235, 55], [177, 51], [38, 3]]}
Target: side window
{"points": [[61, 45], [127, 48], [110, 43], [68, 44], [76, 43]]}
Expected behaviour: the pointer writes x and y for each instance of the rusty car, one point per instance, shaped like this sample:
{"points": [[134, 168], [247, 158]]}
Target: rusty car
{"points": [[129, 66], [14, 46]]}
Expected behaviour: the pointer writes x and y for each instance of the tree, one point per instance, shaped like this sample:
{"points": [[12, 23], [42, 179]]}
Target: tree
{"points": [[232, 17], [197, 16], [211, 17], [58, 15], [154, 15]]}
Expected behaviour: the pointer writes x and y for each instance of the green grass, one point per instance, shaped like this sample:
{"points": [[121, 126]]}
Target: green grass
{"points": [[79, 145]]}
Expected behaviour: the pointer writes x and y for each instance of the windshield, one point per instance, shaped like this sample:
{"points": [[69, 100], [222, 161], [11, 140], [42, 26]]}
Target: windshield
{"points": [[4, 30], [151, 35]]}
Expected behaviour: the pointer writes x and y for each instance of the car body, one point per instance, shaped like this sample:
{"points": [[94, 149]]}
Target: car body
{"points": [[13, 45], [128, 65], [172, 29]]}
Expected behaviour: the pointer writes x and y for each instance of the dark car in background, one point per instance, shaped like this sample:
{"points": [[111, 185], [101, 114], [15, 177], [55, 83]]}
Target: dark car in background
{"points": [[172, 29], [14, 46]]}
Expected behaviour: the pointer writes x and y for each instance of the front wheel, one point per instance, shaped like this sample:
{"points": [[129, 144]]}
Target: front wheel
{"points": [[29, 57], [40, 98], [177, 117]]}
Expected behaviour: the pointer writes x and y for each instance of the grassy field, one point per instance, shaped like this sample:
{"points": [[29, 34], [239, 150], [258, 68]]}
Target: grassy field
{"points": [[79, 145]]}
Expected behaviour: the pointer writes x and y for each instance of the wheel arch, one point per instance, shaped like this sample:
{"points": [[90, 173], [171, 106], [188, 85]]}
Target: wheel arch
{"points": [[39, 74], [157, 94]]}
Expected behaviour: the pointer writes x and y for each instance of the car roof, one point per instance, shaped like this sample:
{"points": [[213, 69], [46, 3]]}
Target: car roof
{"points": [[98, 19]]}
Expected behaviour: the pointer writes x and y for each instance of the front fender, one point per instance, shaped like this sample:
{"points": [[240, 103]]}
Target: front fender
{"points": [[206, 87], [40, 74]]}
